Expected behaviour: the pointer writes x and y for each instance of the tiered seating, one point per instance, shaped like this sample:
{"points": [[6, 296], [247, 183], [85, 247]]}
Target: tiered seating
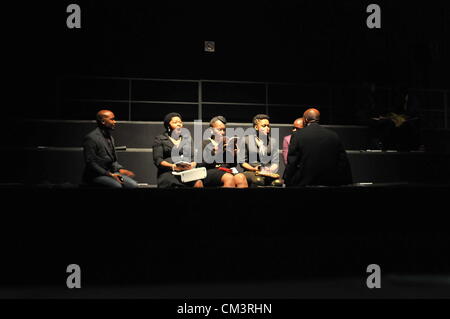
{"points": [[50, 151]]}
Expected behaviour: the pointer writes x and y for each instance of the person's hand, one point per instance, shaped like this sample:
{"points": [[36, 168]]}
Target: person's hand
{"points": [[176, 168], [180, 168], [186, 167], [117, 177], [264, 170], [126, 172]]}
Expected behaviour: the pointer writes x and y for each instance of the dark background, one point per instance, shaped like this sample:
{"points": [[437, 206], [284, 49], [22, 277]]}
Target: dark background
{"points": [[321, 46], [323, 43]]}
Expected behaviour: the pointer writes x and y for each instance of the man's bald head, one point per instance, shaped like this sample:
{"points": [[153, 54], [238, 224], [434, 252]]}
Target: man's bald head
{"points": [[299, 124], [102, 114], [106, 119], [311, 116]]}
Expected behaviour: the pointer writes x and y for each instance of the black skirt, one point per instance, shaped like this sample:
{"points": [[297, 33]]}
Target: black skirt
{"points": [[213, 177]]}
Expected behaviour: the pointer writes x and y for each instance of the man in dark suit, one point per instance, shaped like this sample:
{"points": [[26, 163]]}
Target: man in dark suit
{"points": [[316, 156], [102, 168]]}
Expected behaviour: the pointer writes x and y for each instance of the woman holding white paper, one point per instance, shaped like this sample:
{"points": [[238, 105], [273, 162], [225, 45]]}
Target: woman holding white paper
{"points": [[172, 141]]}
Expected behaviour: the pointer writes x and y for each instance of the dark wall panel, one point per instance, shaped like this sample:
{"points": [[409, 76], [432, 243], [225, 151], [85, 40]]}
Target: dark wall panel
{"points": [[234, 92], [233, 113], [91, 88], [164, 91], [156, 111], [86, 110]]}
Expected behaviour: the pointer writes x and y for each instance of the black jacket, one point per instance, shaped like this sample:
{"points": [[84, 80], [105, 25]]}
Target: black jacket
{"points": [[162, 151], [209, 155], [100, 158], [317, 157]]}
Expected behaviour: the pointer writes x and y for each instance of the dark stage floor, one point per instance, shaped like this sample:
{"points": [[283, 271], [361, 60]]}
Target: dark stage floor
{"points": [[393, 287], [226, 243]]}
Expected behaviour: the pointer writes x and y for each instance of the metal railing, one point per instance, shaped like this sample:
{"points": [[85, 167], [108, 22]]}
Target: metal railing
{"points": [[434, 116]]}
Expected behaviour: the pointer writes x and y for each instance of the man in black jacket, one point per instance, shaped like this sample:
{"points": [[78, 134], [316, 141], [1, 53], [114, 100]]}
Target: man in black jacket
{"points": [[316, 156], [102, 168]]}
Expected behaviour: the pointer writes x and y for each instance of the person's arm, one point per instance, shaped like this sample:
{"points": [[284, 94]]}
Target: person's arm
{"points": [[272, 168], [158, 158], [116, 166], [231, 151], [90, 157], [275, 156], [208, 152], [126, 172], [249, 167], [171, 166], [158, 155], [245, 165], [285, 149]]}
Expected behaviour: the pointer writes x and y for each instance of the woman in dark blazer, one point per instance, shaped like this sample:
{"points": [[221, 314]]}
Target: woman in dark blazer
{"points": [[217, 158], [163, 148], [262, 158]]}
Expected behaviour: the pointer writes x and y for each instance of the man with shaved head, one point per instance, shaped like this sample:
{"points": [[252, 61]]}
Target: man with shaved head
{"points": [[312, 116], [316, 156], [102, 167]]}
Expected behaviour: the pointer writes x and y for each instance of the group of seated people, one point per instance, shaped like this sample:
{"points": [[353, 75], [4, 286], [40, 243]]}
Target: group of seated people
{"points": [[251, 160]]}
